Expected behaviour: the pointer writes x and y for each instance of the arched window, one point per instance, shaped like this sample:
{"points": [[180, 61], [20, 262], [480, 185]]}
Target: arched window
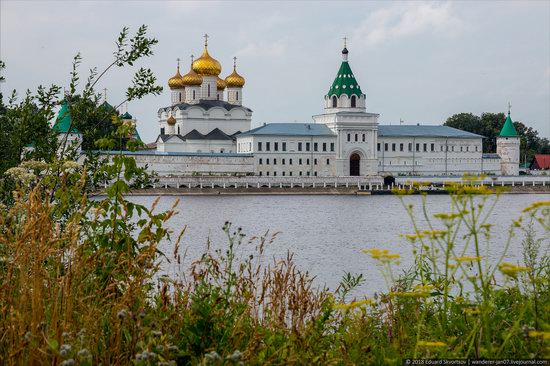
{"points": [[353, 101], [193, 95], [237, 96], [334, 101], [180, 96], [208, 89]]}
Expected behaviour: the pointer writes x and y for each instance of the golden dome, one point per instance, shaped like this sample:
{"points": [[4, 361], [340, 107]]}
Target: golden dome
{"points": [[171, 120], [192, 78], [234, 80], [220, 83], [206, 65], [176, 81]]}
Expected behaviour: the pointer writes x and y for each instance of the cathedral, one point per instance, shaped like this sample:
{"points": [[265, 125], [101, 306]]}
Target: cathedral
{"points": [[206, 130]]}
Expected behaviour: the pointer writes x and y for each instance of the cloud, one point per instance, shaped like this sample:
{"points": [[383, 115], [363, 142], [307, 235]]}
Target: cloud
{"points": [[263, 48], [406, 20]]}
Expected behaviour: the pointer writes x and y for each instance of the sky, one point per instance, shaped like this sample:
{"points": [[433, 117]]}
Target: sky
{"points": [[420, 62]]}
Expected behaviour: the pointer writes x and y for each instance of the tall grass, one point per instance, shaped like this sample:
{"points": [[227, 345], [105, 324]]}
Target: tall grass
{"points": [[79, 285]]}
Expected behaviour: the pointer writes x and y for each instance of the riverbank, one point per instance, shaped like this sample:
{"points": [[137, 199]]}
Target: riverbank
{"points": [[298, 190]]}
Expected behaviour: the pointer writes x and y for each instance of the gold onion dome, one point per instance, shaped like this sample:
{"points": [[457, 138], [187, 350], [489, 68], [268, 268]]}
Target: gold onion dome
{"points": [[171, 120], [220, 83], [234, 80], [176, 81], [206, 65], [192, 78]]}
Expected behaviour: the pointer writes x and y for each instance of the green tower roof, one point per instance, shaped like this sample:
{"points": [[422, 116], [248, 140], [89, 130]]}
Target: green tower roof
{"points": [[64, 120], [508, 130], [345, 82], [126, 116]]}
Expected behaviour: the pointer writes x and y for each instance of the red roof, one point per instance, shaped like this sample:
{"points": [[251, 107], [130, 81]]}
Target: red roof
{"points": [[540, 161]]}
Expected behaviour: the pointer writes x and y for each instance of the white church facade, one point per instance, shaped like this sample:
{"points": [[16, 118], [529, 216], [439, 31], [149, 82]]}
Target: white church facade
{"points": [[206, 130]]}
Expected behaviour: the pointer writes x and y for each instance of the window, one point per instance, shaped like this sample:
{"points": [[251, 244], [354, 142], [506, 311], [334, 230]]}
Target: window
{"points": [[334, 101], [308, 173], [274, 173], [283, 174], [425, 147], [328, 161], [315, 161], [356, 139], [274, 161], [299, 146], [392, 147], [324, 146], [363, 137], [300, 174], [386, 147], [267, 161], [180, 96], [208, 89], [162, 130], [267, 146], [308, 147], [401, 147], [259, 146], [417, 147], [267, 173], [441, 147], [260, 161], [315, 146], [194, 95], [453, 148], [353, 101], [260, 173], [237, 98], [332, 146], [476, 148], [461, 149], [276, 146], [410, 146], [432, 147], [307, 161], [283, 162], [349, 137], [378, 147], [290, 173], [315, 173], [284, 146], [289, 161], [299, 161]]}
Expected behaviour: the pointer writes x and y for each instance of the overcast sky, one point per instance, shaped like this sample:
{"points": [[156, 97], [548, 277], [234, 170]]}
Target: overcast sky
{"points": [[417, 61]]}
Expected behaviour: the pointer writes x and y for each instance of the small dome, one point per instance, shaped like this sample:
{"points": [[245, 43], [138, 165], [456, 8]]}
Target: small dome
{"points": [[192, 78], [171, 120], [206, 65], [235, 80], [176, 81], [220, 83]]}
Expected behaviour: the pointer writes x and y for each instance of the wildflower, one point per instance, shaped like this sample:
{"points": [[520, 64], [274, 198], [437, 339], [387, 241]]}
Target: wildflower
{"points": [[34, 165], [212, 357], [69, 362], [537, 334], [84, 353], [450, 217], [353, 304], [468, 258], [512, 270], [383, 255], [156, 333], [65, 350], [122, 314], [173, 349], [472, 311], [535, 205], [236, 356], [70, 165], [430, 344], [418, 291]]}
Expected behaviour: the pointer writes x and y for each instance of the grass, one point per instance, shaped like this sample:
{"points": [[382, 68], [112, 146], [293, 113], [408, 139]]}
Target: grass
{"points": [[79, 286]]}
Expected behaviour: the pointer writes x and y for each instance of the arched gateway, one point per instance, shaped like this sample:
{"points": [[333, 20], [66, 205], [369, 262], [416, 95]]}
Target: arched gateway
{"points": [[354, 164]]}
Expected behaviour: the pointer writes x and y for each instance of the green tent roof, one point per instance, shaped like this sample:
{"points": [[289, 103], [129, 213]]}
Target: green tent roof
{"points": [[345, 82], [126, 116], [508, 130], [64, 120]]}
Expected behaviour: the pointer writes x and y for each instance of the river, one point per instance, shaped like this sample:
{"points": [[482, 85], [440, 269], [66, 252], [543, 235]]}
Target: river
{"points": [[326, 233]]}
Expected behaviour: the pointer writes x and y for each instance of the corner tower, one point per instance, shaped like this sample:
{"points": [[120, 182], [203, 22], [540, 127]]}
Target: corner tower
{"points": [[508, 146], [356, 129]]}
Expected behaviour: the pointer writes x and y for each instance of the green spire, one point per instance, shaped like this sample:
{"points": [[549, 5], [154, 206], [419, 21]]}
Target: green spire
{"points": [[64, 120], [126, 116], [508, 130], [345, 82]]}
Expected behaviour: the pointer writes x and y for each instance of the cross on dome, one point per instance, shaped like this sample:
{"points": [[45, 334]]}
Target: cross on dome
{"points": [[206, 40], [345, 41]]}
